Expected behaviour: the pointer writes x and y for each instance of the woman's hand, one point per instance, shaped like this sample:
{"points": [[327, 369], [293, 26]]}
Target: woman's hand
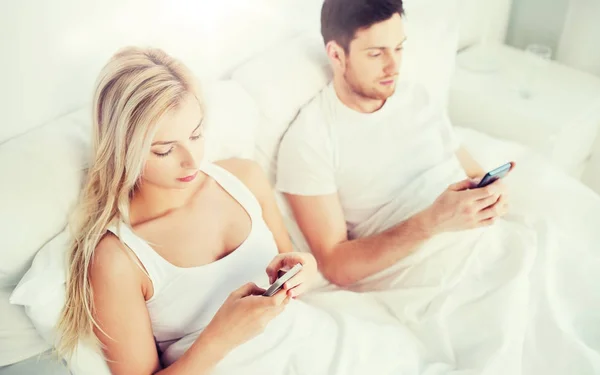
{"points": [[244, 315], [300, 282]]}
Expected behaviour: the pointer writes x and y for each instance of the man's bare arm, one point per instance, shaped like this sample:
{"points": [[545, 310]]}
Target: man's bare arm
{"points": [[469, 164], [343, 261]]}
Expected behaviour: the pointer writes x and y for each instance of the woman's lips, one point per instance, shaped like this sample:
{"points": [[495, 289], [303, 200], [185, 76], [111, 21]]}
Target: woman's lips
{"points": [[188, 178]]}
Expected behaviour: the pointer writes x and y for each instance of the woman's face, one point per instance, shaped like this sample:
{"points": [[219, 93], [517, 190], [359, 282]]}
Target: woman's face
{"points": [[177, 147]]}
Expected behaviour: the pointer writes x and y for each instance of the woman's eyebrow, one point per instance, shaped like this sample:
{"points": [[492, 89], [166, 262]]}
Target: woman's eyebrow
{"points": [[162, 143]]}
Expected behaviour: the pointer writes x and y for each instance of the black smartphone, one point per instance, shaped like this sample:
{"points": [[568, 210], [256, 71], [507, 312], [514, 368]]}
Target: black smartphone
{"points": [[495, 174]]}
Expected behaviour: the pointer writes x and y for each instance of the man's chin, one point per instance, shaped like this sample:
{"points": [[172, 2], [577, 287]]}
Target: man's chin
{"points": [[377, 93], [384, 94]]}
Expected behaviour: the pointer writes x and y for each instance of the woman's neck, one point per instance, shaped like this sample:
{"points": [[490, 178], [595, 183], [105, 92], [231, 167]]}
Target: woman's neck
{"points": [[151, 201]]}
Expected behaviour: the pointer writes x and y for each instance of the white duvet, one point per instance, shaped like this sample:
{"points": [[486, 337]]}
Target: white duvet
{"points": [[519, 297]]}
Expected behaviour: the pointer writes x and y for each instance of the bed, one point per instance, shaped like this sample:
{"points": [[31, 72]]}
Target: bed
{"points": [[247, 68]]}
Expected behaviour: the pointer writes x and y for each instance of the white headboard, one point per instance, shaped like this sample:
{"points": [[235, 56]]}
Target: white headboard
{"points": [[53, 50], [57, 48]]}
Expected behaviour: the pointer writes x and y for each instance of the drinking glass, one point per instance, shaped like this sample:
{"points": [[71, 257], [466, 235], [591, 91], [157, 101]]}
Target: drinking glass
{"points": [[537, 58]]}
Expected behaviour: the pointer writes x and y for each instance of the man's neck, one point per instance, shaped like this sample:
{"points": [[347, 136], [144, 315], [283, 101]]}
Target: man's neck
{"points": [[353, 100]]}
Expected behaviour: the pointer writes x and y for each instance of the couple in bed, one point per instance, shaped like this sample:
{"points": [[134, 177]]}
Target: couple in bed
{"points": [[170, 249]]}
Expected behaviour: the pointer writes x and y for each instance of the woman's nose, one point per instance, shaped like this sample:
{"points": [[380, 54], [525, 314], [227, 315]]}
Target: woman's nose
{"points": [[189, 161]]}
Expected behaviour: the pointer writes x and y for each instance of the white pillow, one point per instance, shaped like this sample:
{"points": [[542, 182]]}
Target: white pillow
{"points": [[214, 37], [432, 31], [41, 177], [231, 121], [18, 337], [281, 80], [42, 292]]}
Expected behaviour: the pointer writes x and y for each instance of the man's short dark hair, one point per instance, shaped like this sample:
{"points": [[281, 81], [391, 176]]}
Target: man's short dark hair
{"points": [[340, 19]]}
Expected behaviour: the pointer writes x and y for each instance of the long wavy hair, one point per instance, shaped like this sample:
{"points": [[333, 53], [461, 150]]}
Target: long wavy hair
{"points": [[135, 88]]}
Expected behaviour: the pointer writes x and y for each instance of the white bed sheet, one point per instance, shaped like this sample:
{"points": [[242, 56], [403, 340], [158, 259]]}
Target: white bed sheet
{"points": [[557, 212]]}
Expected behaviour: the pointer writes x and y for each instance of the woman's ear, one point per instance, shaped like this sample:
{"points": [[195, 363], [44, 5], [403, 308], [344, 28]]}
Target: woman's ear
{"points": [[336, 55]]}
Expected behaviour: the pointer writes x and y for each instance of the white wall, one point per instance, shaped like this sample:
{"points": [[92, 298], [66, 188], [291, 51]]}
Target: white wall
{"points": [[537, 21], [579, 45], [591, 176], [570, 27]]}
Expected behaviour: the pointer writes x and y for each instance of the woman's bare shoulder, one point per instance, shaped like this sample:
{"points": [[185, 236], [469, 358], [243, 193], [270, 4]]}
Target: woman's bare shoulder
{"points": [[111, 261], [249, 172]]}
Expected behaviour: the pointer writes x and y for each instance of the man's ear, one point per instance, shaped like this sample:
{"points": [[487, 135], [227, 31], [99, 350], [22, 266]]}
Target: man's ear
{"points": [[336, 55]]}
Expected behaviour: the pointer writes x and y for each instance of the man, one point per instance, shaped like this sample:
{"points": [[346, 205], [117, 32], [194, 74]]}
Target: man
{"points": [[385, 197], [355, 146]]}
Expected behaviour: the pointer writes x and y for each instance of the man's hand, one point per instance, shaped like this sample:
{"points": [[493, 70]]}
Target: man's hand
{"points": [[501, 204], [500, 207], [462, 207]]}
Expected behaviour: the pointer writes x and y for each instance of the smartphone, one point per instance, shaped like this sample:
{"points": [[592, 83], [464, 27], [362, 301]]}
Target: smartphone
{"points": [[494, 174], [278, 284]]}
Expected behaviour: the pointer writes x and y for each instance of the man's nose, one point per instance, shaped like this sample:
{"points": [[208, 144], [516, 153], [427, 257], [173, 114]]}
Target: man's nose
{"points": [[392, 64]]}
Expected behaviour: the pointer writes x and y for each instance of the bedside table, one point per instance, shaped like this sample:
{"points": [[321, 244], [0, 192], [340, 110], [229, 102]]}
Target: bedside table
{"points": [[560, 119]]}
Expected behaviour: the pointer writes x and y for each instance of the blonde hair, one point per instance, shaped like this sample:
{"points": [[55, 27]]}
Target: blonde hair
{"points": [[135, 88]]}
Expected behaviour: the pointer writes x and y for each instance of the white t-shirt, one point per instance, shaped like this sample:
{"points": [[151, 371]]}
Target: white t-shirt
{"points": [[367, 158]]}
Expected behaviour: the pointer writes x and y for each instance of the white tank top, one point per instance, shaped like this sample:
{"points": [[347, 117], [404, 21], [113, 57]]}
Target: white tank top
{"points": [[186, 299]]}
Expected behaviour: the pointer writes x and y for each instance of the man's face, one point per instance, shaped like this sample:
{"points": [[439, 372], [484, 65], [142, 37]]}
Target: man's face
{"points": [[373, 59]]}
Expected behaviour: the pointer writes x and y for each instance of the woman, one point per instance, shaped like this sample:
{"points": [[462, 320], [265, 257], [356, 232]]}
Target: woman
{"points": [[169, 248]]}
